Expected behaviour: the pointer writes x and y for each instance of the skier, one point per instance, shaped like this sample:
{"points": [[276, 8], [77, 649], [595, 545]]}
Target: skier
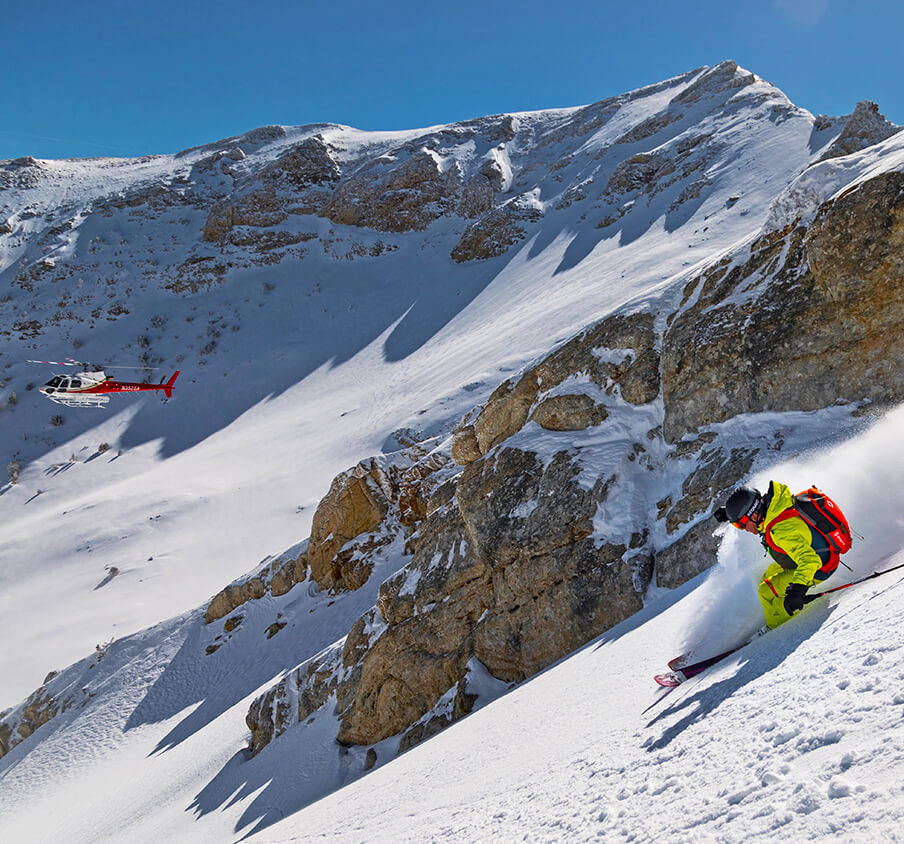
{"points": [[802, 555]]}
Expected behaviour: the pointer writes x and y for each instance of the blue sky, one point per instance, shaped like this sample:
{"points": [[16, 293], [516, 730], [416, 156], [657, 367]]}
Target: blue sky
{"points": [[120, 78]]}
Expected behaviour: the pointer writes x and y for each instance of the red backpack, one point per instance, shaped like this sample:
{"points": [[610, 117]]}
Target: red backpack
{"points": [[821, 513]]}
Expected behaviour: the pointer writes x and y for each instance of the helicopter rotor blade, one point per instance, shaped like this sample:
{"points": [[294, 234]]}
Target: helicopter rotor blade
{"points": [[151, 368], [71, 362]]}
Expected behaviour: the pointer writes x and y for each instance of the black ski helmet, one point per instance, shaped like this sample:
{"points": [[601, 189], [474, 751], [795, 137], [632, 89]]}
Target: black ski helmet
{"points": [[744, 501]]}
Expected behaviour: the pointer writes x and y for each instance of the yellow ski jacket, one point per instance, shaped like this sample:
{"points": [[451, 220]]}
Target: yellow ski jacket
{"points": [[792, 535]]}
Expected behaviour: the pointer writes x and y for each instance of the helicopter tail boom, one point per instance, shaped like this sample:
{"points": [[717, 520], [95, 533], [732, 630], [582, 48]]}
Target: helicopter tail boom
{"points": [[168, 387]]}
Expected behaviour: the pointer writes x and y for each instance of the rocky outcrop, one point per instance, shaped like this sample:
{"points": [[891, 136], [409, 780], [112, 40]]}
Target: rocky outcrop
{"points": [[38, 710], [725, 76], [41, 706], [365, 508], [775, 331], [258, 208], [618, 356], [234, 596], [307, 163], [518, 558], [396, 197], [506, 567], [501, 573], [649, 173], [865, 127], [477, 197], [495, 232], [355, 505]]}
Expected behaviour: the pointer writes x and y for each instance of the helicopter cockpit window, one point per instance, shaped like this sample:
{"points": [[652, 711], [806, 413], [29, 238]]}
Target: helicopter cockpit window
{"points": [[64, 384], [75, 382]]}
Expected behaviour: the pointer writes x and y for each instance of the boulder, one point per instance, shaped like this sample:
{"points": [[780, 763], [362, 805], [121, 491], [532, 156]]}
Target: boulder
{"points": [[568, 413]]}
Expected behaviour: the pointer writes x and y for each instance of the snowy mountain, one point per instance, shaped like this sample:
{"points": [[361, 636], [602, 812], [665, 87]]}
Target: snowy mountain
{"points": [[546, 343]]}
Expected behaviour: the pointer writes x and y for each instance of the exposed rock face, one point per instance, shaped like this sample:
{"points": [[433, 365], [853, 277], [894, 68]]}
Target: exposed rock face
{"points": [[832, 287], [714, 473], [356, 504], [305, 164], [38, 710], [477, 197], [568, 413], [494, 233], [722, 77], [502, 573], [258, 208], [405, 197], [506, 569], [40, 707], [234, 596]]}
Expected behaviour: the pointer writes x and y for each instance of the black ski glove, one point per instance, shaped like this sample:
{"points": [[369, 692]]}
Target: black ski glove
{"points": [[720, 515], [794, 597]]}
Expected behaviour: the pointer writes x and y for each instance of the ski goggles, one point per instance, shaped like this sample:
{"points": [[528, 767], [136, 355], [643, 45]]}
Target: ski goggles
{"points": [[750, 517]]}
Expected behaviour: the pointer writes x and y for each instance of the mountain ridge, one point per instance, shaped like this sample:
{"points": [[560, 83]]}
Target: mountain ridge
{"points": [[588, 417]]}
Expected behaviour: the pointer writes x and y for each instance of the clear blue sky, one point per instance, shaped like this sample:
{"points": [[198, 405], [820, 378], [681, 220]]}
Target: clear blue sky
{"points": [[125, 78]]}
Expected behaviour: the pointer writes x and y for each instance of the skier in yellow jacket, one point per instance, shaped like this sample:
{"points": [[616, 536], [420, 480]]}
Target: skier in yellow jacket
{"points": [[801, 554]]}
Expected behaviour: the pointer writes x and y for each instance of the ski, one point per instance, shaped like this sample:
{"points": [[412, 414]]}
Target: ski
{"points": [[677, 676], [681, 670]]}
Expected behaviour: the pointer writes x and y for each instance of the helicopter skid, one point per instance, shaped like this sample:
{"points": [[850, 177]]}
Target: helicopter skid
{"points": [[76, 400]]}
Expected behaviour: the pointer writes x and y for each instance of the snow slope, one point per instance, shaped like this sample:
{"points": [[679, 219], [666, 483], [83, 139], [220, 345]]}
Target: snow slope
{"points": [[799, 734], [314, 366]]}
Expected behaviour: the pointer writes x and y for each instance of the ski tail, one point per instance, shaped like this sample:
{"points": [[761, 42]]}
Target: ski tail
{"points": [[670, 679], [168, 386]]}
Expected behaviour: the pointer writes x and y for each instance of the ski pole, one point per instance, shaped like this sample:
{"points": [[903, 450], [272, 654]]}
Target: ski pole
{"points": [[809, 598]]}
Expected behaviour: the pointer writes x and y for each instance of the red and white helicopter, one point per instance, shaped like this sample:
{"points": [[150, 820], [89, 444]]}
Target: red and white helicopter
{"points": [[92, 387]]}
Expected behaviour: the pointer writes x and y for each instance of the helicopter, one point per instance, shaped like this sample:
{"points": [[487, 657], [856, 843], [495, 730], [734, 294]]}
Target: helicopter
{"points": [[91, 387]]}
